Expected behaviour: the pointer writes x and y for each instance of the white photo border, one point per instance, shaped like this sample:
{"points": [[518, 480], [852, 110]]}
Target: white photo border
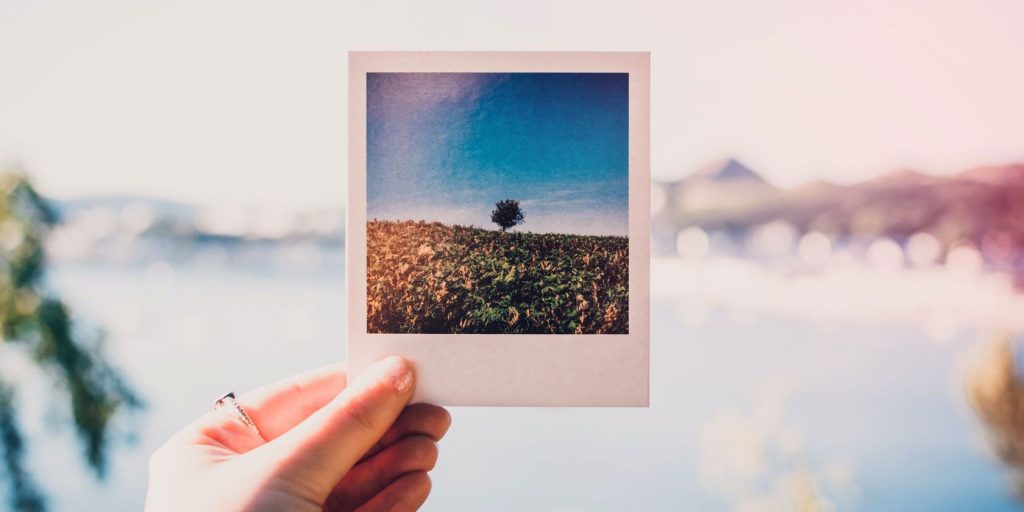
{"points": [[511, 369]]}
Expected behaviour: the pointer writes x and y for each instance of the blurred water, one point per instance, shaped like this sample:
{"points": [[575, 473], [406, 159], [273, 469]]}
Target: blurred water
{"points": [[742, 409]]}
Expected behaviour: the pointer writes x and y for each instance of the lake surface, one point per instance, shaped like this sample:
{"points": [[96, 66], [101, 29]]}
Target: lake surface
{"points": [[744, 409]]}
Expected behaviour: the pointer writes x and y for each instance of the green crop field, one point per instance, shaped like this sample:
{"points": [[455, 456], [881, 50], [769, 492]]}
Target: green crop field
{"points": [[427, 277]]}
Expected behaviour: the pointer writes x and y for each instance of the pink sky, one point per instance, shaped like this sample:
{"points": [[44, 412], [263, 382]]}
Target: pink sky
{"points": [[244, 102]]}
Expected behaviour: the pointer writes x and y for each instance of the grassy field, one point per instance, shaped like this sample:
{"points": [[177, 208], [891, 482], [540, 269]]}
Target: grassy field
{"points": [[433, 278]]}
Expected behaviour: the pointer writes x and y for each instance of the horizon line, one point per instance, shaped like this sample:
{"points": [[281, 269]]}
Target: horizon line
{"points": [[484, 228]]}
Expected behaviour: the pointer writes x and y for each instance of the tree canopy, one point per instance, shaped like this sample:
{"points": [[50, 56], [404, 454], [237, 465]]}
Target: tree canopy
{"points": [[507, 213]]}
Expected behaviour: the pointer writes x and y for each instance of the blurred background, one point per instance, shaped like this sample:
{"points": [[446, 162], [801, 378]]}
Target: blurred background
{"points": [[838, 271]]}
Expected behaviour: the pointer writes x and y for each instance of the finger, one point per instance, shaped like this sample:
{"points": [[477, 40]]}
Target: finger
{"points": [[276, 408], [273, 408], [366, 479], [407, 493], [417, 419], [317, 453]]}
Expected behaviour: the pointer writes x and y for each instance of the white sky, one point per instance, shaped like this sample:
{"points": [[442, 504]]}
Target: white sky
{"points": [[244, 102]]}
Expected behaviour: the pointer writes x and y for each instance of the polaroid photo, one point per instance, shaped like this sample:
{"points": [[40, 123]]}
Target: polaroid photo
{"points": [[498, 224]]}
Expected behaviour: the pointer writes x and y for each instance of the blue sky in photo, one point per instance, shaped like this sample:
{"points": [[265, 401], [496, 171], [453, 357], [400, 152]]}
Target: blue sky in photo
{"points": [[447, 146]]}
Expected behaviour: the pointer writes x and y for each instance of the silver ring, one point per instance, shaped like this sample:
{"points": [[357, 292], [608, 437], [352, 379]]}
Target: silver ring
{"points": [[229, 401]]}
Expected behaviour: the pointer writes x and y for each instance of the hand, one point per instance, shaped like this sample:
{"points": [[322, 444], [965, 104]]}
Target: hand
{"points": [[321, 446]]}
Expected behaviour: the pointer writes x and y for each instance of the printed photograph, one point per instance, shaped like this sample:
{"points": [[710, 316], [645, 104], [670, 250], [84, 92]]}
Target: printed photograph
{"points": [[497, 203]]}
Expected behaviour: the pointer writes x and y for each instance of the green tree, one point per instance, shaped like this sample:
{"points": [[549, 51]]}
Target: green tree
{"points": [[506, 214], [38, 324]]}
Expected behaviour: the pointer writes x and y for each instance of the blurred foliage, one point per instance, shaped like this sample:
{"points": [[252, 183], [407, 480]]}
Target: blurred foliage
{"points": [[39, 325], [995, 389], [432, 278]]}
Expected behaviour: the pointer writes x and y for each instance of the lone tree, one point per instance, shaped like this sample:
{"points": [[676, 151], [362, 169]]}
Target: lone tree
{"points": [[507, 214]]}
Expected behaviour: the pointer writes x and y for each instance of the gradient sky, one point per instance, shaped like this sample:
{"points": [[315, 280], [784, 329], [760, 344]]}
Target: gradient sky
{"points": [[243, 102], [447, 146]]}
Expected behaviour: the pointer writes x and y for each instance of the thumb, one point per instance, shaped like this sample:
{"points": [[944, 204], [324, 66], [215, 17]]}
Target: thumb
{"points": [[318, 452]]}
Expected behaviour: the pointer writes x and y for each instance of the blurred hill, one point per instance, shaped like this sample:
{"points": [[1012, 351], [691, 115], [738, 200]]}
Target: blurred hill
{"points": [[727, 170], [982, 206], [161, 208], [142, 215], [138, 229], [719, 190]]}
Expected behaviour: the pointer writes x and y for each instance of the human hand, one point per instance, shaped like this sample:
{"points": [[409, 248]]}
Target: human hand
{"points": [[321, 445]]}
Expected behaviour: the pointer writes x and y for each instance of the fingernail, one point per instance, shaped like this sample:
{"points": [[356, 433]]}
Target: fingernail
{"points": [[401, 374]]}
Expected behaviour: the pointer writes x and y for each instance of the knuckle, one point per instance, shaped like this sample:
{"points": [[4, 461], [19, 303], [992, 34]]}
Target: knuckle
{"points": [[361, 412], [303, 394], [156, 459], [421, 483], [422, 452], [429, 420], [444, 422], [163, 461]]}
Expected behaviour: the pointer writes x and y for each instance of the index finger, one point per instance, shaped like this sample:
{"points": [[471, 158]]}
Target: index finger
{"points": [[276, 408]]}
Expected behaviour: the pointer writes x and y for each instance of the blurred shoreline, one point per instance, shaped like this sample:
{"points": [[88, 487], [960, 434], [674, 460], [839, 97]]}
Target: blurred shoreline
{"points": [[902, 221], [724, 241]]}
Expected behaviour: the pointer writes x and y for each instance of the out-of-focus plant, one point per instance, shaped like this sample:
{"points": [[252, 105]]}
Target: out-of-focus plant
{"points": [[39, 324], [995, 388]]}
